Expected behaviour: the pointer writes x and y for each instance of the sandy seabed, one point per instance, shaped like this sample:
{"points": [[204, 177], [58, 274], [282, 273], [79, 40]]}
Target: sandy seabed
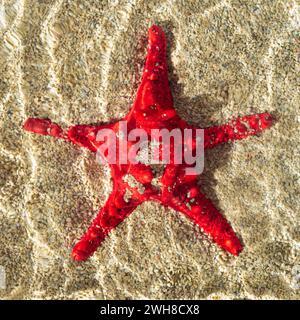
{"points": [[80, 62]]}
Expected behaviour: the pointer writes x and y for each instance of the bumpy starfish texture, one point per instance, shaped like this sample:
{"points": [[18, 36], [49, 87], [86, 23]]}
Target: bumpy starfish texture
{"points": [[153, 108]]}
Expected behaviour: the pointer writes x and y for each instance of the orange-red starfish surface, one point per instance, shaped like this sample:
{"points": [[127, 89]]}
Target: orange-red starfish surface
{"points": [[153, 109]]}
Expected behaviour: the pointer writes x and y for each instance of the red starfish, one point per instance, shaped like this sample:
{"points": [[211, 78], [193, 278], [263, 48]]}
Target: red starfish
{"points": [[153, 108]]}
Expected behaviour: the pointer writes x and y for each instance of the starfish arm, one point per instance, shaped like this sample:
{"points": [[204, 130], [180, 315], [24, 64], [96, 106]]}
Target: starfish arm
{"points": [[203, 213], [154, 89], [81, 135], [44, 127], [237, 129], [114, 212], [154, 102], [86, 135]]}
